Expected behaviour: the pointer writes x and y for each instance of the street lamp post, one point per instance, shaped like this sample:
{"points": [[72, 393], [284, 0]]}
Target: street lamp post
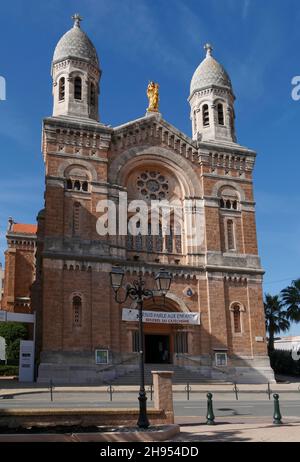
{"points": [[137, 291]]}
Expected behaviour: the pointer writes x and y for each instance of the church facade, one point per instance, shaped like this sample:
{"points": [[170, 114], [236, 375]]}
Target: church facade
{"points": [[83, 335]]}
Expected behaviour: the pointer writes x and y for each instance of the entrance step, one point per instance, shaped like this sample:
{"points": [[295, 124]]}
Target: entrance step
{"points": [[181, 375]]}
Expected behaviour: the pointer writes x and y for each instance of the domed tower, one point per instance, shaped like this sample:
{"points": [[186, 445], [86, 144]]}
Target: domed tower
{"points": [[212, 101], [76, 74]]}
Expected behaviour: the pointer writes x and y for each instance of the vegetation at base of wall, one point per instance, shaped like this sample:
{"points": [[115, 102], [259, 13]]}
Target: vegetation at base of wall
{"points": [[281, 310], [12, 332], [8, 370], [283, 363]]}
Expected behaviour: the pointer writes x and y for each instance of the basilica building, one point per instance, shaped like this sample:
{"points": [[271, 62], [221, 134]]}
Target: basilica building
{"points": [[211, 321]]}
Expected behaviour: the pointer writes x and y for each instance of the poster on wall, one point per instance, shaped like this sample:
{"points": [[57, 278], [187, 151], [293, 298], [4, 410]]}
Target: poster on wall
{"points": [[101, 356], [162, 317]]}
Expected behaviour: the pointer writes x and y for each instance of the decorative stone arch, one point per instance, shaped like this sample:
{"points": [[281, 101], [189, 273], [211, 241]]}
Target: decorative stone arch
{"points": [[62, 73], [76, 73], [180, 304], [77, 163], [231, 184], [239, 304], [181, 167], [219, 99], [171, 301]]}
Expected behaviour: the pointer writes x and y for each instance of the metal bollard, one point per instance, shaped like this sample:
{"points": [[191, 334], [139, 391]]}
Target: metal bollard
{"points": [[236, 391], [277, 415], [210, 412], [150, 389], [269, 391], [188, 389], [110, 390], [51, 388]]}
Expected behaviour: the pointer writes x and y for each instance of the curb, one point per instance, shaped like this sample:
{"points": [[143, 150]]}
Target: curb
{"points": [[146, 436]]}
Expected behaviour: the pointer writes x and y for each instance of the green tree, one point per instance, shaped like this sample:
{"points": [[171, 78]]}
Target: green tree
{"points": [[291, 299], [12, 332], [276, 318]]}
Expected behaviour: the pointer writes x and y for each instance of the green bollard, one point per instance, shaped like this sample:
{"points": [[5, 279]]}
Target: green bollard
{"points": [[277, 415], [210, 412]]}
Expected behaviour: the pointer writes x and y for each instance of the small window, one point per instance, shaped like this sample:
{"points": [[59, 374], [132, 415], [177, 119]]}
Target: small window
{"points": [[237, 320], [77, 185], [93, 95], [61, 91], [220, 114], [222, 204], [85, 186], [169, 240], [181, 342], [77, 307], [205, 115], [221, 359], [195, 121], [69, 184], [77, 88], [230, 235]]}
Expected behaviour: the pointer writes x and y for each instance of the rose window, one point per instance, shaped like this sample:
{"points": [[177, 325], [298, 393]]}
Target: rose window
{"points": [[152, 185]]}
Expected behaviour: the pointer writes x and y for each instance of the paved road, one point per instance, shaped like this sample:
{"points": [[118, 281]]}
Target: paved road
{"points": [[224, 405]]}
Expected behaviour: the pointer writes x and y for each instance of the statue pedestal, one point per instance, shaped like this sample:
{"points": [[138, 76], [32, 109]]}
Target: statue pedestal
{"points": [[153, 113]]}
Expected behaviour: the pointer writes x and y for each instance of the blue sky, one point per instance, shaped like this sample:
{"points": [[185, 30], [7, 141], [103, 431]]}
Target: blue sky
{"points": [[162, 40]]}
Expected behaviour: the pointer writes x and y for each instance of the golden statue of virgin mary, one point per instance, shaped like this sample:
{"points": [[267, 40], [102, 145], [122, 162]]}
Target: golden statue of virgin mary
{"points": [[153, 97]]}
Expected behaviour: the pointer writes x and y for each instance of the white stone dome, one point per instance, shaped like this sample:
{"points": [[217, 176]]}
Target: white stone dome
{"points": [[76, 44], [208, 73]]}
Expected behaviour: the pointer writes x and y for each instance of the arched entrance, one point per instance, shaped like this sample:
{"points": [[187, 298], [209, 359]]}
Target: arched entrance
{"points": [[160, 338]]}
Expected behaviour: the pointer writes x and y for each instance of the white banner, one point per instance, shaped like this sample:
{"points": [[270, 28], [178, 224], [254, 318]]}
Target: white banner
{"points": [[161, 317]]}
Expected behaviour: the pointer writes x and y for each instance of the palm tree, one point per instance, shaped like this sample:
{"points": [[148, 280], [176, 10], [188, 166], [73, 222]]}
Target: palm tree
{"points": [[276, 318], [291, 299]]}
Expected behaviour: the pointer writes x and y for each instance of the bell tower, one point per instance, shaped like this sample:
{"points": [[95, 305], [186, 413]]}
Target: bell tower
{"points": [[212, 101], [75, 74]]}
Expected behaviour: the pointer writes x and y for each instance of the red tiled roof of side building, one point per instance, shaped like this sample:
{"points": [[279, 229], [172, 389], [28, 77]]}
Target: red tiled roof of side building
{"points": [[22, 228]]}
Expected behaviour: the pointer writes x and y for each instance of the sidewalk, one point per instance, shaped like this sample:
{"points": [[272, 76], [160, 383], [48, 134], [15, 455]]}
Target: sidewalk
{"points": [[9, 386], [255, 430]]}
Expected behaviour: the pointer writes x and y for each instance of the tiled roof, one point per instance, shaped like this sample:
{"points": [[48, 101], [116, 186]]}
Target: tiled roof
{"points": [[23, 228], [76, 44], [208, 73]]}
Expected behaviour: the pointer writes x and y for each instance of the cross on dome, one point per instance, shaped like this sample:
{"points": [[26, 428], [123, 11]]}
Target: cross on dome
{"points": [[77, 18], [208, 47]]}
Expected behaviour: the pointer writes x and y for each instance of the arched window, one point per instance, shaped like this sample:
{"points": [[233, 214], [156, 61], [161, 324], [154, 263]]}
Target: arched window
{"points": [[92, 94], [139, 238], [178, 243], [230, 235], [69, 184], [205, 115], [76, 218], [237, 320], [169, 240], [149, 239], [222, 204], [77, 311], [85, 186], [61, 89], [159, 239], [195, 121], [77, 88], [77, 185], [220, 114]]}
